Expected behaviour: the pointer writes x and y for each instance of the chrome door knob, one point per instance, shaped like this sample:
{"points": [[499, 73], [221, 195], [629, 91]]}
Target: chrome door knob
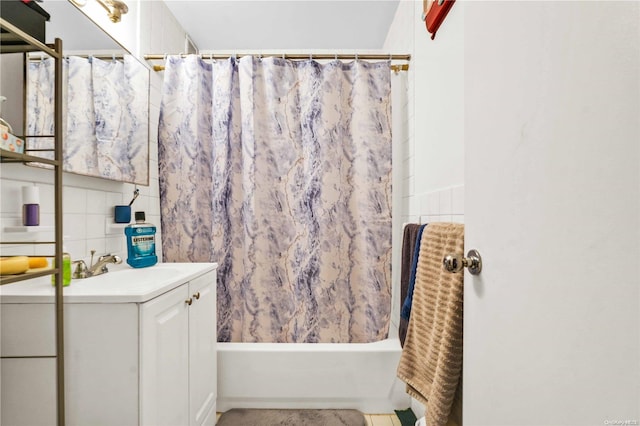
{"points": [[454, 264]]}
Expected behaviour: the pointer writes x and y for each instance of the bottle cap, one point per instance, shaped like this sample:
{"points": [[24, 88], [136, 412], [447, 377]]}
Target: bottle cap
{"points": [[140, 217], [30, 195]]}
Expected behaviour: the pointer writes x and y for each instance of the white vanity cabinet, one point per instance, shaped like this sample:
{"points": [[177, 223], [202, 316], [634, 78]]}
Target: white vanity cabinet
{"points": [[178, 335], [138, 353]]}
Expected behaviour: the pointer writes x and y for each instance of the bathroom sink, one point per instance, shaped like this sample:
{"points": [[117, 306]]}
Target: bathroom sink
{"points": [[131, 276], [122, 284]]}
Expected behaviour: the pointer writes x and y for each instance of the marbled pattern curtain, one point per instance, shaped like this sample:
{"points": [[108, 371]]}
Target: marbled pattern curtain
{"points": [[105, 115], [280, 171]]}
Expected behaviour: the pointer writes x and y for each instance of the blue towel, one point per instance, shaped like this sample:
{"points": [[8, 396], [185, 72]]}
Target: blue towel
{"points": [[406, 306]]}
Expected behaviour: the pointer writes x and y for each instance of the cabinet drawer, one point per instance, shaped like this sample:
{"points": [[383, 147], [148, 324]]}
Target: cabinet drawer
{"points": [[28, 391], [27, 330]]}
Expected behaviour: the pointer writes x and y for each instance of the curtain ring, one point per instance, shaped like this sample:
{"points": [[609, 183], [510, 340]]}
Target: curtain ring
{"points": [[311, 56], [356, 56], [113, 56]]}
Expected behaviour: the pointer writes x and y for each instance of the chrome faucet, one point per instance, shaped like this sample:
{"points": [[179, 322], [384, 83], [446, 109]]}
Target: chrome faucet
{"points": [[100, 267]]}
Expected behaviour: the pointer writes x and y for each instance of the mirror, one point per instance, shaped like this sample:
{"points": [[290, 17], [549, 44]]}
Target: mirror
{"points": [[105, 98]]}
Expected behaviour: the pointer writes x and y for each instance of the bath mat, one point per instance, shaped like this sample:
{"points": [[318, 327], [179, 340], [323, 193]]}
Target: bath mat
{"points": [[269, 417]]}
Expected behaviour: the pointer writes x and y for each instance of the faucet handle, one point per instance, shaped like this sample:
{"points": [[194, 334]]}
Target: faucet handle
{"points": [[104, 256], [81, 270]]}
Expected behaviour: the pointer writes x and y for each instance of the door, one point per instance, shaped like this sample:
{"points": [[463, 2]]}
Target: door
{"points": [[202, 350], [164, 359], [552, 203]]}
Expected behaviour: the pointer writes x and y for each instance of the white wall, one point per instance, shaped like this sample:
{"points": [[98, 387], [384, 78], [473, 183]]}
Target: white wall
{"points": [[431, 136], [88, 202]]}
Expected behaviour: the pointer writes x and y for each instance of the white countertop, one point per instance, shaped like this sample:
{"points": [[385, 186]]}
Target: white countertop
{"points": [[119, 285]]}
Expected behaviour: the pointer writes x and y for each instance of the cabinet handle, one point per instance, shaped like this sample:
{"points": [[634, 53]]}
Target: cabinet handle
{"points": [[189, 301], [197, 295]]}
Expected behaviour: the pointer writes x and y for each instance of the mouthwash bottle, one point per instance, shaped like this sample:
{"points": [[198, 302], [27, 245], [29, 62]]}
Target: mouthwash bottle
{"points": [[141, 243]]}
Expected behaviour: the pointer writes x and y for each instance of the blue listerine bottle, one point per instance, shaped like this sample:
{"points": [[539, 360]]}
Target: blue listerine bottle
{"points": [[141, 243]]}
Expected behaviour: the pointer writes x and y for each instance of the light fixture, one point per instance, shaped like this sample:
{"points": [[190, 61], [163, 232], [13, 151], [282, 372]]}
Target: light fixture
{"points": [[115, 8]]}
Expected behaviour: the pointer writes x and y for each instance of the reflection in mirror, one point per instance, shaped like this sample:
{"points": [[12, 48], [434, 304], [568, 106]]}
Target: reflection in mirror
{"points": [[105, 117], [105, 97]]}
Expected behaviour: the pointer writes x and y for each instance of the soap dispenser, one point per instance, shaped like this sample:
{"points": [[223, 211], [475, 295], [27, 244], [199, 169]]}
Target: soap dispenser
{"points": [[141, 243]]}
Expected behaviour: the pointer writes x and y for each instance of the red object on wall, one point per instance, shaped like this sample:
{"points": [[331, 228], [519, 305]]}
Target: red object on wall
{"points": [[435, 14]]}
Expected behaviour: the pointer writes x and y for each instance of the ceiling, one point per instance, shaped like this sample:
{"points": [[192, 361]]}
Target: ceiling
{"points": [[285, 25]]}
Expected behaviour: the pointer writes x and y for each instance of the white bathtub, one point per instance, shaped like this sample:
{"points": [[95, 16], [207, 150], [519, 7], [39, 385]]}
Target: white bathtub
{"points": [[311, 375]]}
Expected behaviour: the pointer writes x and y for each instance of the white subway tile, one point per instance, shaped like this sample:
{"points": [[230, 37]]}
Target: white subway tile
{"points": [[431, 218], [74, 200], [47, 219], [154, 188], [74, 226], [44, 250], [433, 203], [445, 218], [407, 168], [77, 249], [457, 199], [445, 201], [117, 245], [11, 199], [414, 206], [47, 199], [95, 226], [114, 199], [457, 218], [97, 244], [424, 204], [96, 202], [13, 219], [22, 250]]}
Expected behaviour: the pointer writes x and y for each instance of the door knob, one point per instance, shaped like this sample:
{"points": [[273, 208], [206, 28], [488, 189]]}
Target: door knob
{"points": [[473, 262]]}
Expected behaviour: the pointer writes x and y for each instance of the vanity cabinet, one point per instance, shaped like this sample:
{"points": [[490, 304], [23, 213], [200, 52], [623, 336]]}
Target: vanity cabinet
{"points": [[178, 348], [138, 353]]}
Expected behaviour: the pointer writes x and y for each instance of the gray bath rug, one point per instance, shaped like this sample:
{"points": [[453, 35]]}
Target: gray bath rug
{"points": [[259, 417]]}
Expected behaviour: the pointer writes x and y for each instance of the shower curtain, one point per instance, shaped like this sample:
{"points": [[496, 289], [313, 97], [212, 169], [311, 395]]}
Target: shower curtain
{"points": [[105, 115], [280, 171]]}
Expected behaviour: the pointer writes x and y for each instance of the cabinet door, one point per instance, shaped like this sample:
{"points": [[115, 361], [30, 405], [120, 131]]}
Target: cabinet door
{"points": [[27, 329], [164, 382], [28, 391], [202, 350]]}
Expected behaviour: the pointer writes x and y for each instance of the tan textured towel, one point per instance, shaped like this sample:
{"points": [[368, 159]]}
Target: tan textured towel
{"points": [[431, 361]]}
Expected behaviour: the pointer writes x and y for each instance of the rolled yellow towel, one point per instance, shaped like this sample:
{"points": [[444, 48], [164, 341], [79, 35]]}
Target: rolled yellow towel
{"points": [[13, 265]]}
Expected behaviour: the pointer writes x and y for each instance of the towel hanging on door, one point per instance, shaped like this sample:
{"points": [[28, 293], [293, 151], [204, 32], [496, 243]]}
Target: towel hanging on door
{"points": [[431, 360]]}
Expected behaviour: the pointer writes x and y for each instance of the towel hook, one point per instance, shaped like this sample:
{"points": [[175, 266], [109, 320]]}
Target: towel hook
{"points": [[454, 264]]}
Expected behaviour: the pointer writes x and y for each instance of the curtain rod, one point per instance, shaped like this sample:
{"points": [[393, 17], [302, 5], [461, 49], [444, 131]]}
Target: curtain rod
{"points": [[37, 57], [296, 56]]}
